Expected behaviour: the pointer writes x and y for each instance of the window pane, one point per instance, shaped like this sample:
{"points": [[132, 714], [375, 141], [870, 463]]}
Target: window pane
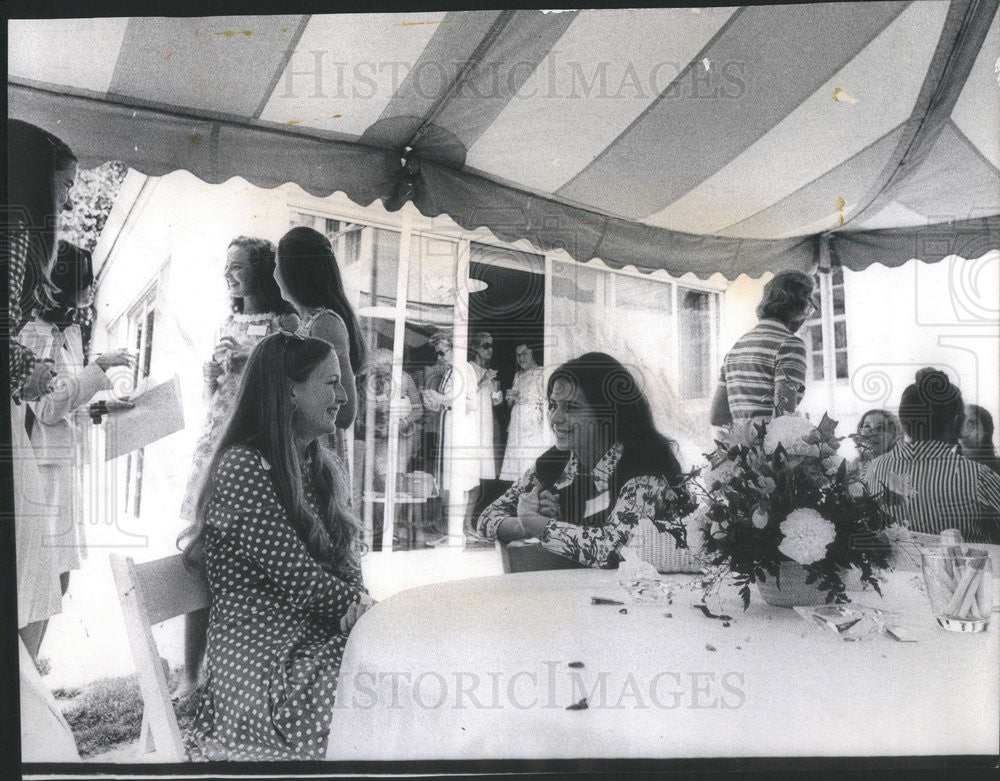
{"points": [[841, 364], [840, 335], [633, 293], [385, 266], [838, 300], [816, 337], [695, 343], [837, 275], [817, 366]]}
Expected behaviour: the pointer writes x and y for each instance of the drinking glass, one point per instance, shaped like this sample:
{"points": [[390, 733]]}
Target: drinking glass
{"points": [[958, 586]]}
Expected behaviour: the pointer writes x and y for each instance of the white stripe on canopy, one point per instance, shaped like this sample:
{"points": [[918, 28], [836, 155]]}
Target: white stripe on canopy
{"points": [[37, 50], [361, 59]]}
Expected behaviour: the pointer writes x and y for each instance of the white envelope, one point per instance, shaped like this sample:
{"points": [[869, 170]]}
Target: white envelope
{"points": [[157, 413]]}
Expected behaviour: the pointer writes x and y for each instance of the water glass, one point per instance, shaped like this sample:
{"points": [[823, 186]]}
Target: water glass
{"points": [[959, 588]]}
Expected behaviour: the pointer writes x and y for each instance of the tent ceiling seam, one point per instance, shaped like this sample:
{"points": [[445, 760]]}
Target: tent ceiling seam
{"points": [[475, 58], [285, 59], [931, 114]]}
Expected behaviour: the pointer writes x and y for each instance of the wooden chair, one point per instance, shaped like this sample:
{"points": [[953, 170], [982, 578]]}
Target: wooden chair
{"points": [[150, 593], [524, 556]]}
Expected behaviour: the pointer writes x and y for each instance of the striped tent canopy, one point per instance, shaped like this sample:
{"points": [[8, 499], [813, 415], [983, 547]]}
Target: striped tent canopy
{"points": [[732, 140]]}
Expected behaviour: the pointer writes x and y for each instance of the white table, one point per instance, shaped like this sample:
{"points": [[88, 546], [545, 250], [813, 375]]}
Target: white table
{"points": [[774, 685]]}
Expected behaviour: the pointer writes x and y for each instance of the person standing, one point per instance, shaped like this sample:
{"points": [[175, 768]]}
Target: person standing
{"points": [[764, 374], [257, 311], [56, 442], [527, 435]]}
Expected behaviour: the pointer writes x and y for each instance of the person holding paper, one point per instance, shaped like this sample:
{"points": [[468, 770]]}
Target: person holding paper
{"points": [[257, 311], [55, 439], [280, 548], [618, 470]]}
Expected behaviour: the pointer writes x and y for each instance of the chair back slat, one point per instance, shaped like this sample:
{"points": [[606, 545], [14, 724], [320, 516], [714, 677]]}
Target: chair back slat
{"points": [[171, 588]]}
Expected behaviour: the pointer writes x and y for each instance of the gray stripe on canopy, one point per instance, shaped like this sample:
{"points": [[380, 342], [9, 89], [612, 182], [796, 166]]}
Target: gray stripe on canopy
{"points": [[467, 75], [687, 135], [452, 44], [953, 173], [203, 63], [818, 199]]}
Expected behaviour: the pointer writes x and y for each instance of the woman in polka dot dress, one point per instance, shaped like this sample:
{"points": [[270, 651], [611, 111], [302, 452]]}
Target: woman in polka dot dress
{"points": [[280, 550]]}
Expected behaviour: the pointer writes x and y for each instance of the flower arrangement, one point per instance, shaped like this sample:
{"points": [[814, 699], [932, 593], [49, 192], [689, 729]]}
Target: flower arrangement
{"points": [[781, 493]]}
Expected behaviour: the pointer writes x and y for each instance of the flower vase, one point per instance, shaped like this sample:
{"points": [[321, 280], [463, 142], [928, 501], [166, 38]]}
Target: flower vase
{"points": [[793, 590]]}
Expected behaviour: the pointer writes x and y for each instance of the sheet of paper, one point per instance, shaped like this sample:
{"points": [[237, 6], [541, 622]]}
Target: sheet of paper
{"points": [[157, 413]]}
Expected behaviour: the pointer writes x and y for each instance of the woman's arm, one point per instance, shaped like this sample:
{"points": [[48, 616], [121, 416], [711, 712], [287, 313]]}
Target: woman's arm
{"points": [[499, 521], [789, 376], [598, 546], [720, 414], [263, 534], [331, 328], [70, 392]]}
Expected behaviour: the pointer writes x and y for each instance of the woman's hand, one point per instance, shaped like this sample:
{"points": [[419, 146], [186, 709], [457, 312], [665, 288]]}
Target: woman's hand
{"points": [[115, 358], [39, 382], [534, 513], [211, 371], [354, 612], [513, 396], [226, 346]]}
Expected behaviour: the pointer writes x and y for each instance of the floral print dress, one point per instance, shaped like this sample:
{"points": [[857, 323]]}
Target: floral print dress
{"points": [[247, 331], [605, 524], [274, 639]]}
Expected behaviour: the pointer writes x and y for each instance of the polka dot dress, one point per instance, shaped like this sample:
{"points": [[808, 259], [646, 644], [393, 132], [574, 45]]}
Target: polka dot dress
{"points": [[274, 639]]}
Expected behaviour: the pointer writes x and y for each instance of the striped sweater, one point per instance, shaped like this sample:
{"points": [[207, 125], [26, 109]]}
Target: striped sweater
{"points": [[764, 354]]}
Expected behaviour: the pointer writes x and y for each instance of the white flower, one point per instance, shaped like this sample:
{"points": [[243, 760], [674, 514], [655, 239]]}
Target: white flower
{"points": [[759, 518], [788, 431], [807, 535], [831, 464], [696, 526], [855, 490]]}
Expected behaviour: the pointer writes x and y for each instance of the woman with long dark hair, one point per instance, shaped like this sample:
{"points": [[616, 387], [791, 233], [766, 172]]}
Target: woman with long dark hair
{"points": [[41, 170], [257, 311], [308, 275], [280, 549], [610, 467], [976, 437]]}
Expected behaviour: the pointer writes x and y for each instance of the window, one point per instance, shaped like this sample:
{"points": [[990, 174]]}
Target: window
{"points": [[141, 321], [696, 320], [813, 331]]}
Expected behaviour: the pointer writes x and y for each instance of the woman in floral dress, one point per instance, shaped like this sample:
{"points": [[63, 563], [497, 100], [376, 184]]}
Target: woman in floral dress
{"points": [[281, 554], [258, 310], [609, 468]]}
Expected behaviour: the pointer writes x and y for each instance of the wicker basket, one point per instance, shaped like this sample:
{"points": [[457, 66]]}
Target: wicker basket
{"points": [[660, 549]]}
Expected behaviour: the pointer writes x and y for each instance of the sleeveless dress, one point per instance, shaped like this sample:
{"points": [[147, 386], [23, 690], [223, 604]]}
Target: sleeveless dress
{"points": [[247, 330], [337, 441]]}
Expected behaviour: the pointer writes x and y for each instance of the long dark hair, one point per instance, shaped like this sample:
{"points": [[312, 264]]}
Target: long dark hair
{"points": [[260, 255], [33, 158], [311, 274], [71, 274], [984, 420], [614, 395], [262, 420]]}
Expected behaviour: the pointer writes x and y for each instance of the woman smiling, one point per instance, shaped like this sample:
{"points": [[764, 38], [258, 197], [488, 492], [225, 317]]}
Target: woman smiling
{"points": [[280, 551], [610, 467]]}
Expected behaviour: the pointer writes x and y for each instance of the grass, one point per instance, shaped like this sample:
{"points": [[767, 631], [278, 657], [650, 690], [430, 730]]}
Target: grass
{"points": [[107, 714]]}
